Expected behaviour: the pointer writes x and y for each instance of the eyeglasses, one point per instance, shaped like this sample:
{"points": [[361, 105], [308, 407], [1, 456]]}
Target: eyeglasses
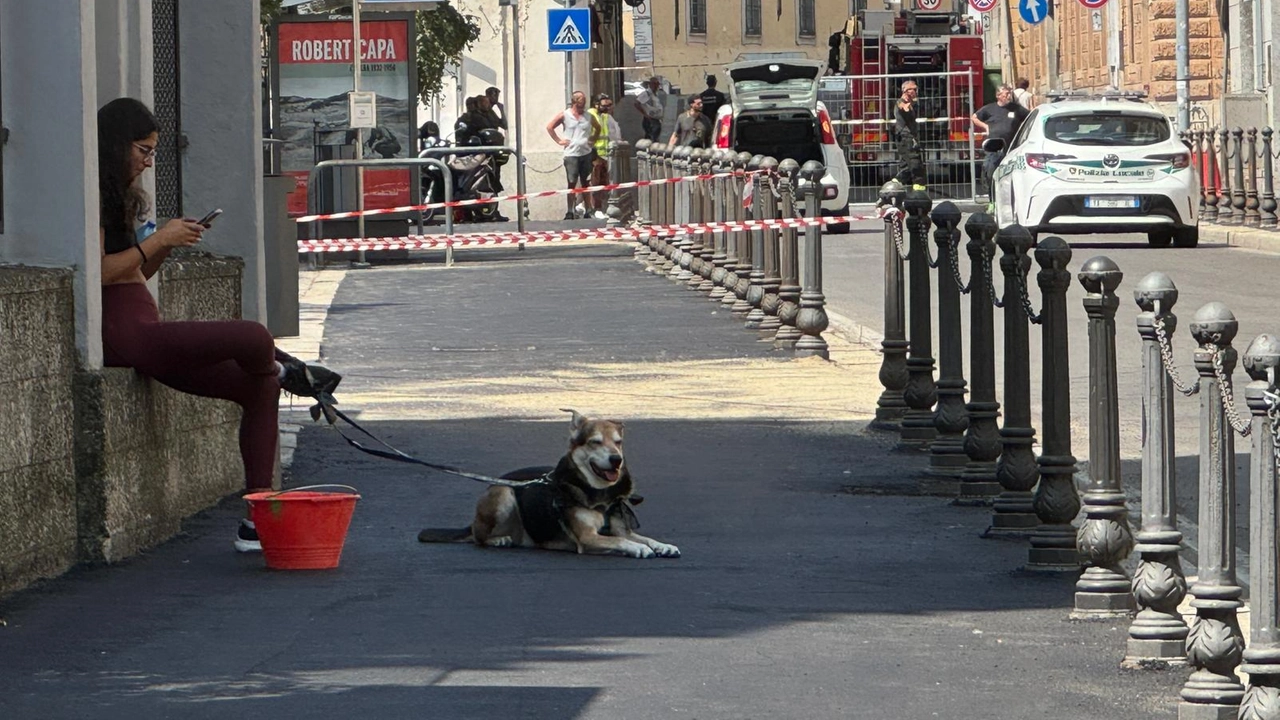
{"points": [[148, 153]]}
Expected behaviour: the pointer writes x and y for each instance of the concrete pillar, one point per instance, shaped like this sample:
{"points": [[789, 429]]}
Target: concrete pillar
{"points": [[50, 110], [222, 164]]}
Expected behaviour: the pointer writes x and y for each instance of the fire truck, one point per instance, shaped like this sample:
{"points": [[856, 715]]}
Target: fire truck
{"points": [[879, 50]]}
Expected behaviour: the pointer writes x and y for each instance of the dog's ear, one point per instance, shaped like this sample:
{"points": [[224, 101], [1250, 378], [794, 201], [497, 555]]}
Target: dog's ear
{"points": [[577, 421]]}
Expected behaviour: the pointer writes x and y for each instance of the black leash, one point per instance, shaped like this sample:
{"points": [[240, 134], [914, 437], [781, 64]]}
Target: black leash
{"points": [[325, 406]]}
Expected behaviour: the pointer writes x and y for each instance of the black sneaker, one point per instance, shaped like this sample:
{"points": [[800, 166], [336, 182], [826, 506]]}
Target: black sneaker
{"points": [[571, 215], [247, 537]]}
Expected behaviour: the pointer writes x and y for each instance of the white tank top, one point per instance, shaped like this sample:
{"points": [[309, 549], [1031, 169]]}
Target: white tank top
{"points": [[577, 130]]}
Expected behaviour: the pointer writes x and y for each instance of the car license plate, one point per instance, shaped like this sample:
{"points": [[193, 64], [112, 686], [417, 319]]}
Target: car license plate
{"points": [[1111, 202]]}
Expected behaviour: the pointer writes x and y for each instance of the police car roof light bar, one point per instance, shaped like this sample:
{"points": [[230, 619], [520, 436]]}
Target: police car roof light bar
{"points": [[1136, 95]]}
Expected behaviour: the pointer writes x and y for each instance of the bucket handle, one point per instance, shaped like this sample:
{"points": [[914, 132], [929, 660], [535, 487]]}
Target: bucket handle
{"points": [[313, 487]]}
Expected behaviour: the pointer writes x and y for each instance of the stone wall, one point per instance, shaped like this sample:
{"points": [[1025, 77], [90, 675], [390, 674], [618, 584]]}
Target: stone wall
{"points": [[96, 466], [1148, 50]]}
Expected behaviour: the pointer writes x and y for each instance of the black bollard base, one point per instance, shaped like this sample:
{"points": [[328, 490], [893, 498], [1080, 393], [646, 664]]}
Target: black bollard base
{"points": [[1142, 654], [1103, 606]]}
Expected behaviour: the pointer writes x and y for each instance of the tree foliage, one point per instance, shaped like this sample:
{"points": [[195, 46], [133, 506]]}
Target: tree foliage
{"points": [[444, 34]]}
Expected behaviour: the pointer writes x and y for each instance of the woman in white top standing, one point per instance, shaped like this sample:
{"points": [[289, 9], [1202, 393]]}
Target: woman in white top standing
{"points": [[580, 132]]}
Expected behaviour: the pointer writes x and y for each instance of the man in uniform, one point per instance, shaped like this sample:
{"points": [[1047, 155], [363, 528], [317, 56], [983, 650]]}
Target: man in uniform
{"points": [[910, 163], [712, 99]]}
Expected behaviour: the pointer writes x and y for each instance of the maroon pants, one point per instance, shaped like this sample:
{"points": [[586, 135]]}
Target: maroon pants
{"points": [[225, 359]]}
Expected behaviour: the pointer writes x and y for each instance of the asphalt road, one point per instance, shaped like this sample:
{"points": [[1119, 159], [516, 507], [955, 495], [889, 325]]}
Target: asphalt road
{"points": [[1242, 279]]}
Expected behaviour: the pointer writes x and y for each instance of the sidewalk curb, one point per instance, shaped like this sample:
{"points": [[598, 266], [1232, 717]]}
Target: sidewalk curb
{"points": [[1242, 237]]}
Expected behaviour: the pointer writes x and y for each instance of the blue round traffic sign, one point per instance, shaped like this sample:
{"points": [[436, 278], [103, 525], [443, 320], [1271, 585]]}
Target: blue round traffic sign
{"points": [[1033, 12]]}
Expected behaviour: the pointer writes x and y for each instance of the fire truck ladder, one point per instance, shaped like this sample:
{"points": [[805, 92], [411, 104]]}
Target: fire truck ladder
{"points": [[870, 92]]}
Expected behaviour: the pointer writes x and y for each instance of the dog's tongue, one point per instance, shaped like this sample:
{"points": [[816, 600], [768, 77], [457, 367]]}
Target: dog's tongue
{"points": [[611, 475]]}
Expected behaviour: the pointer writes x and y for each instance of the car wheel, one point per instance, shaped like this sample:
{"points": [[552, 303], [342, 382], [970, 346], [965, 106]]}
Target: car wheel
{"points": [[1159, 238], [1186, 237]]}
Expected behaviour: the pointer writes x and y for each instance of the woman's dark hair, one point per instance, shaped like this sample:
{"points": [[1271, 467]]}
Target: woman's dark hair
{"points": [[121, 123]]}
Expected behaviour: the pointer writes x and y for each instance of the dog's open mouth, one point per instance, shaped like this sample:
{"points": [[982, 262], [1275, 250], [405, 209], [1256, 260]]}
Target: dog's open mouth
{"points": [[609, 475]]}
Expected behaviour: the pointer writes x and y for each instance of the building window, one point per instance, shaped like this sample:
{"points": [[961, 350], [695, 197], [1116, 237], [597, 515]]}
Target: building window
{"points": [[751, 22], [697, 17], [806, 23]]}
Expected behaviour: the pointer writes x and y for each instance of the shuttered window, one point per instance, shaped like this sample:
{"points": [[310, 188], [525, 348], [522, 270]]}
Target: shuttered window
{"points": [[806, 24], [751, 22], [697, 17]]}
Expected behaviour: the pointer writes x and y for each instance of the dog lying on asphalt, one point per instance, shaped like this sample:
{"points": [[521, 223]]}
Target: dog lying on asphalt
{"points": [[581, 505]]}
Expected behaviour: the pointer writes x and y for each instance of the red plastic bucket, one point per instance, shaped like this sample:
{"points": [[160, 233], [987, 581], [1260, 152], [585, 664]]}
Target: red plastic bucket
{"points": [[300, 529]]}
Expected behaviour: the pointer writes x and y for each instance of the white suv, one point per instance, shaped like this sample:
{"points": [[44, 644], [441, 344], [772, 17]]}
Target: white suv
{"points": [[773, 110], [1106, 164]]}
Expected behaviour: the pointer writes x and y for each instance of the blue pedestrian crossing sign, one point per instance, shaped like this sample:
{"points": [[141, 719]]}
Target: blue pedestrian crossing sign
{"points": [[569, 29], [1033, 12]]}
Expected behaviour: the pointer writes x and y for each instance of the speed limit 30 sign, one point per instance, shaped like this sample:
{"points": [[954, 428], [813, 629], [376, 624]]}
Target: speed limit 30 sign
{"points": [[928, 4]]}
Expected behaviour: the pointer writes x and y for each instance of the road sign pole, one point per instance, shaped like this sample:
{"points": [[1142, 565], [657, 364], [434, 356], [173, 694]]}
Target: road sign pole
{"points": [[355, 83], [517, 101]]}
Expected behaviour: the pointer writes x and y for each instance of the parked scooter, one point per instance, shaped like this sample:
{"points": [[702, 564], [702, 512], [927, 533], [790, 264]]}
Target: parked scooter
{"points": [[474, 175]]}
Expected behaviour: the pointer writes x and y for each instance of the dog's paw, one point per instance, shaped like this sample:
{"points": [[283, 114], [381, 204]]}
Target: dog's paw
{"points": [[636, 550], [664, 550], [503, 541]]}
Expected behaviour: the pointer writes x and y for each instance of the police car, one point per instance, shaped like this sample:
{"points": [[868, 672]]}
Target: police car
{"points": [[1106, 163]]}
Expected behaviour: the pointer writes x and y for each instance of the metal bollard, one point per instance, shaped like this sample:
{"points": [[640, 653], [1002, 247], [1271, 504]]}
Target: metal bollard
{"points": [[1268, 204], [688, 242], [1251, 216], [643, 212], [643, 245], [742, 211], [789, 260], [770, 323], [732, 211], [1237, 177], [755, 293], [1053, 544], [891, 407], [1224, 177], [1158, 632], [1016, 471], [812, 318], [946, 452], [704, 195], [623, 205], [917, 428], [1215, 644], [666, 247], [1210, 178], [693, 215], [1104, 539], [720, 253], [1262, 656], [658, 241], [678, 242], [978, 484]]}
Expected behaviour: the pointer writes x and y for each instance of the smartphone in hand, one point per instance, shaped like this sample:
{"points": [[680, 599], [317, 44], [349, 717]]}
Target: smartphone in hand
{"points": [[207, 220]]}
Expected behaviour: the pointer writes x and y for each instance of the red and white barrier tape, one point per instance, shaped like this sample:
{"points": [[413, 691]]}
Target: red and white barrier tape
{"points": [[526, 196], [420, 242]]}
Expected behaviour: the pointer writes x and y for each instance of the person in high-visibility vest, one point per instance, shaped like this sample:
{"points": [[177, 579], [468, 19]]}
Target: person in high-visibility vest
{"points": [[609, 132]]}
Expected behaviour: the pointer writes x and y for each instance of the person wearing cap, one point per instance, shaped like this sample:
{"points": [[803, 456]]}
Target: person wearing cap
{"points": [[609, 133], [650, 109]]}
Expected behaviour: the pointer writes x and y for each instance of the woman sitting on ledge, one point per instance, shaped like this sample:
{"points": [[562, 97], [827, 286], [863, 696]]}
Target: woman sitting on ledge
{"points": [[232, 360]]}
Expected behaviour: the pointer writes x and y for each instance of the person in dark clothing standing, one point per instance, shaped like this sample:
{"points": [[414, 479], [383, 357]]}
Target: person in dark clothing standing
{"points": [[712, 99], [999, 120], [910, 163]]}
